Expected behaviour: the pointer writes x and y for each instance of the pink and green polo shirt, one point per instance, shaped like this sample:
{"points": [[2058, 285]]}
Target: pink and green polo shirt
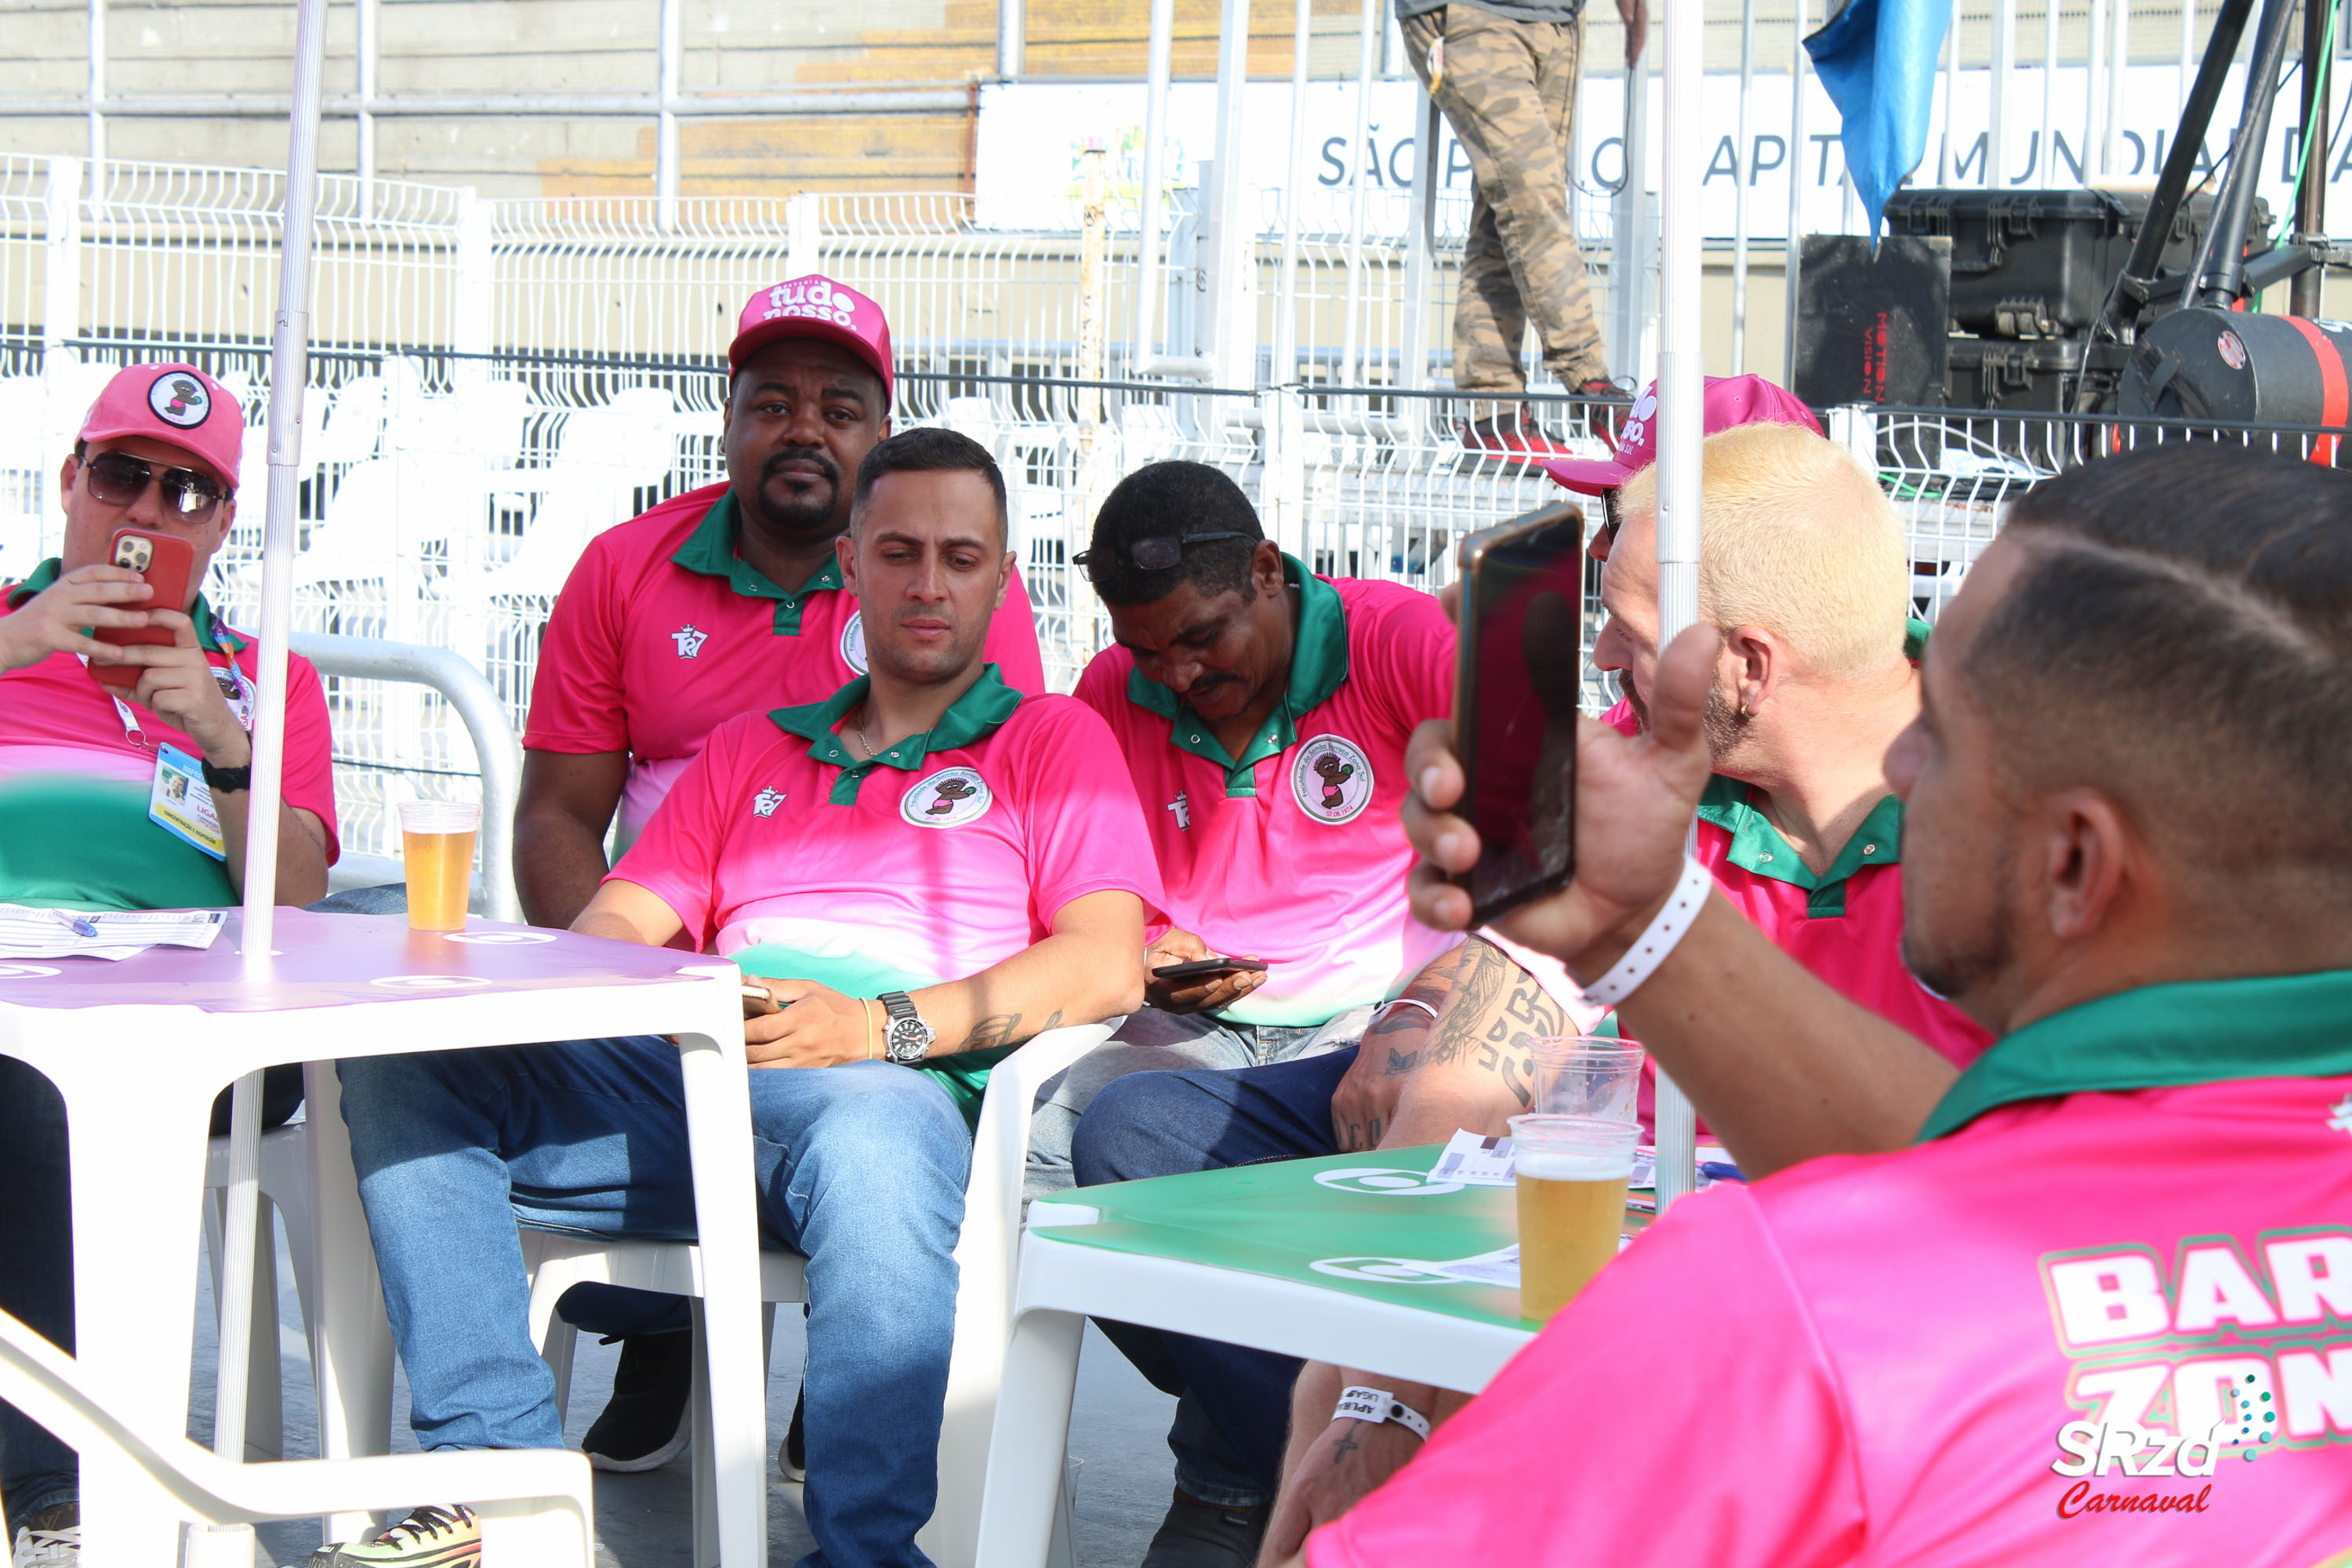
{"points": [[74, 778], [1293, 851], [2135, 1213], [782, 847], [663, 632]]}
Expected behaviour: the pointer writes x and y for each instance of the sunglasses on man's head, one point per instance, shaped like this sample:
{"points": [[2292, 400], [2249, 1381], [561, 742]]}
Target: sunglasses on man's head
{"points": [[117, 479], [1157, 554]]}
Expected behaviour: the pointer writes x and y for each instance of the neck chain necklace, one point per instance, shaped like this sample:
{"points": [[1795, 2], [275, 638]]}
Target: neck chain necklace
{"points": [[865, 717]]}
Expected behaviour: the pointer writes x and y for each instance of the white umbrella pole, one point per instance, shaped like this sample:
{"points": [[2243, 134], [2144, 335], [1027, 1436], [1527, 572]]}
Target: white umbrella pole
{"points": [[288, 371], [1682, 390]]}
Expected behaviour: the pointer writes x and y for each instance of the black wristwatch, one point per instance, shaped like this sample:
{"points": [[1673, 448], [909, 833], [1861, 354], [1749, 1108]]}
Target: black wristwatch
{"points": [[219, 779], [908, 1039]]}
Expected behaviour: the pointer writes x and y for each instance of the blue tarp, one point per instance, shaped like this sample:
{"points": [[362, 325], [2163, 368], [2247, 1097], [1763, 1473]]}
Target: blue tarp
{"points": [[1878, 61]]}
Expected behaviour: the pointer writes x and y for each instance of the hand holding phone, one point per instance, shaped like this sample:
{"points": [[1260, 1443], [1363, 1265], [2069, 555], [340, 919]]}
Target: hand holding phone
{"points": [[1182, 975], [166, 563], [1205, 966]]}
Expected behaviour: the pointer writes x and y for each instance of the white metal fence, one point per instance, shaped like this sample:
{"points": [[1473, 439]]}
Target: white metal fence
{"points": [[496, 382]]}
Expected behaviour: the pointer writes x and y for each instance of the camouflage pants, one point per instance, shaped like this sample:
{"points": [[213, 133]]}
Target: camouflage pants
{"points": [[1508, 89]]}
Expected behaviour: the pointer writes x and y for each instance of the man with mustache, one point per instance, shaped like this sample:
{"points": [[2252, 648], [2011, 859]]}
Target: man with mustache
{"points": [[725, 599]]}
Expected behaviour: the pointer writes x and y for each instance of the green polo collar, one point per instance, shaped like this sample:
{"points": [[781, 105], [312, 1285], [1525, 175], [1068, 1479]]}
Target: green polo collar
{"points": [[1756, 846], [212, 634], [979, 713], [1319, 665], [710, 550], [2161, 1036]]}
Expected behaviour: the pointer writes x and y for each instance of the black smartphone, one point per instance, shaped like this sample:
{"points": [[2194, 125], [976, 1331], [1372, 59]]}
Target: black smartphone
{"points": [[1201, 967], [1520, 659]]}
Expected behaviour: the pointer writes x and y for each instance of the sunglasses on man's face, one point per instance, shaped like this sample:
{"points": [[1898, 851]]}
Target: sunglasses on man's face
{"points": [[117, 479], [1157, 554]]}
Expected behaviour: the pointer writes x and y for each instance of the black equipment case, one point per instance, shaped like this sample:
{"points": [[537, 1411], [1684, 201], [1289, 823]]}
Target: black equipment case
{"points": [[2038, 264]]}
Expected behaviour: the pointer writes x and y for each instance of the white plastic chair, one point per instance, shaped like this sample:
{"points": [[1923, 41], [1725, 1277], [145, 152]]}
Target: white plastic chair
{"points": [[986, 1255], [285, 1186], [536, 1504]]}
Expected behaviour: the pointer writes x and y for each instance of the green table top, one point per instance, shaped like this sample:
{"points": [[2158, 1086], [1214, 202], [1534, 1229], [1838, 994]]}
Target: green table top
{"points": [[1365, 1225]]}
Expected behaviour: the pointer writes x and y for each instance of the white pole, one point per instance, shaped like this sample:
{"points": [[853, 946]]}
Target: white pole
{"points": [[1682, 371], [366, 48], [1147, 240], [2004, 61], [1796, 166], [1285, 316], [665, 123], [1351, 331], [2119, 45], [1948, 160], [290, 369], [2048, 157], [1740, 176], [97, 97], [2188, 51], [2094, 61]]}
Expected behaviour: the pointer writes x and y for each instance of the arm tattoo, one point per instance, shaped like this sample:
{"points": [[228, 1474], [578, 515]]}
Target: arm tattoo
{"points": [[1498, 1011], [1401, 1062], [1348, 1444], [1001, 1029]]}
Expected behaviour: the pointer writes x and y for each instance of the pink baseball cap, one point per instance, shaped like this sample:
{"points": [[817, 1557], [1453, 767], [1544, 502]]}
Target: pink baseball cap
{"points": [[814, 307], [1731, 401], [174, 403]]}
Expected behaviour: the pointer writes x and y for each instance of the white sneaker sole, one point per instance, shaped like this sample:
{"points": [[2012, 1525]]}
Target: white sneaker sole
{"points": [[655, 1460]]}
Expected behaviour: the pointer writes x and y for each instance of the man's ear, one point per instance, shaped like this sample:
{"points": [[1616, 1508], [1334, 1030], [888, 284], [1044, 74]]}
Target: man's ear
{"points": [[1004, 580], [844, 549], [2090, 863], [1756, 665], [1265, 568], [67, 472]]}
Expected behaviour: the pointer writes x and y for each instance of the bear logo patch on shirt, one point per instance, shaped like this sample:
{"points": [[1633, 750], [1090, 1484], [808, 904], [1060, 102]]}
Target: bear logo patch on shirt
{"points": [[1331, 779], [949, 798], [853, 644]]}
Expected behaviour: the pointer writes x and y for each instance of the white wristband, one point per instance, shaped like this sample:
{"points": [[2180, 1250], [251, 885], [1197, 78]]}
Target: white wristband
{"points": [[1649, 949], [1382, 1011], [1378, 1405]]}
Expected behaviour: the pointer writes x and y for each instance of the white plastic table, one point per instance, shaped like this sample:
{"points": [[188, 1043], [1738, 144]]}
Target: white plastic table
{"points": [[138, 1048], [1327, 1259]]}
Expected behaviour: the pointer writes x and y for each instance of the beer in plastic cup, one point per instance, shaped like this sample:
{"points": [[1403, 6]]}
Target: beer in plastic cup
{"points": [[437, 842], [1572, 1171], [1587, 1075]]}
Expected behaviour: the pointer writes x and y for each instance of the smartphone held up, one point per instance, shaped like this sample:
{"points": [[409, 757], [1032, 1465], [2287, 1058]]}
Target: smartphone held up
{"points": [[1520, 656], [166, 563]]}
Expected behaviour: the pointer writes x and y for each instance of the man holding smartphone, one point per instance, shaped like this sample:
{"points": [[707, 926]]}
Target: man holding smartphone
{"points": [[928, 869], [86, 777], [722, 600]]}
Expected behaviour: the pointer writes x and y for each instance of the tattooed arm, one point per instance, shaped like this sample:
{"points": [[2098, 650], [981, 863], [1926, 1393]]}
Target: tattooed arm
{"points": [[1470, 1068]]}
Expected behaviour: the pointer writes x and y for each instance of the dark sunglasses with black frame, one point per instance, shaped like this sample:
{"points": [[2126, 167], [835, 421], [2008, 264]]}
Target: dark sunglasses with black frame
{"points": [[117, 479], [1157, 554]]}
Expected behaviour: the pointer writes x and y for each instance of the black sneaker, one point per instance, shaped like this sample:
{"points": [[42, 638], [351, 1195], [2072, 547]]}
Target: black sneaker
{"points": [[648, 1423], [429, 1538], [792, 1458], [1200, 1535]]}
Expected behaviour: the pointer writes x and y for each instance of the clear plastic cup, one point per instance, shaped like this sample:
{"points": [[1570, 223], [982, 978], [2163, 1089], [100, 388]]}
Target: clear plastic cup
{"points": [[437, 842], [1587, 1075], [1572, 1174]]}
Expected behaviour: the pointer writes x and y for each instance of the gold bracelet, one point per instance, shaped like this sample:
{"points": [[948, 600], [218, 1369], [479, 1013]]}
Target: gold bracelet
{"points": [[868, 1002]]}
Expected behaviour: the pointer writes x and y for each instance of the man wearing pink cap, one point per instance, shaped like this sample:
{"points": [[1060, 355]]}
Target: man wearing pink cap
{"points": [[2090, 1301], [127, 797], [723, 600]]}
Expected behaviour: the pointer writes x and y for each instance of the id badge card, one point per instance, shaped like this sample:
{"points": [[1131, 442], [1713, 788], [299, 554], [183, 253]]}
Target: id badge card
{"points": [[180, 804]]}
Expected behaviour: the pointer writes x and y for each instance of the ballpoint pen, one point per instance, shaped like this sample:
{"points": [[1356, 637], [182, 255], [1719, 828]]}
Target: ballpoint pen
{"points": [[79, 926]]}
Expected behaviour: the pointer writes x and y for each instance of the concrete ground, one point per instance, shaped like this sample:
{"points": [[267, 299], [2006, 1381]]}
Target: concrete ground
{"points": [[1117, 1430]]}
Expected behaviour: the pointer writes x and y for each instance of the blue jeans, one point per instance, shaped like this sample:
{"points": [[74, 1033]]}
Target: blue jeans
{"points": [[860, 1167], [1154, 1041], [1233, 1404]]}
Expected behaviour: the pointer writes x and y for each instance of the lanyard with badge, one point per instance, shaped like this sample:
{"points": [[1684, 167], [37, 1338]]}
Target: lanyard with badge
{"points": [[178, 800]]}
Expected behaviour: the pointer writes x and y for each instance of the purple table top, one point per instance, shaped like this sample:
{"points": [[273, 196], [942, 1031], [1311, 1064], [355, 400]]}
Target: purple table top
{"points": [[339, 961]]}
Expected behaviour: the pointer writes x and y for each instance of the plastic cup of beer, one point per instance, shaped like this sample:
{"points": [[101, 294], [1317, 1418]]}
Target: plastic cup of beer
{"points": [[436, 844], [1587, 1075], [1572, 1171]]}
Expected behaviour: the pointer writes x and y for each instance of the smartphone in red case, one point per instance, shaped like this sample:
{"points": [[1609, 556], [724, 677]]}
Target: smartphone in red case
{"points": [[166, 563]]}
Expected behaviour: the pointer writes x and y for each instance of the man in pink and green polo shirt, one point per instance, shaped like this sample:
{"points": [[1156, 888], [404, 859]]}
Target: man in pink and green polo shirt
{"points": [[2101, 1309], [928, 869], [725, 600]]}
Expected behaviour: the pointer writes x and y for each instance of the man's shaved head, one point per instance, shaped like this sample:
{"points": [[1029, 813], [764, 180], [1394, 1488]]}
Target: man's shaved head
{"points": [[2180, 638]]}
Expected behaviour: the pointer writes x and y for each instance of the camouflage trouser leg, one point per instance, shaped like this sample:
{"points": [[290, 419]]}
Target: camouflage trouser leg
{"points": [[1508, 89]]}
